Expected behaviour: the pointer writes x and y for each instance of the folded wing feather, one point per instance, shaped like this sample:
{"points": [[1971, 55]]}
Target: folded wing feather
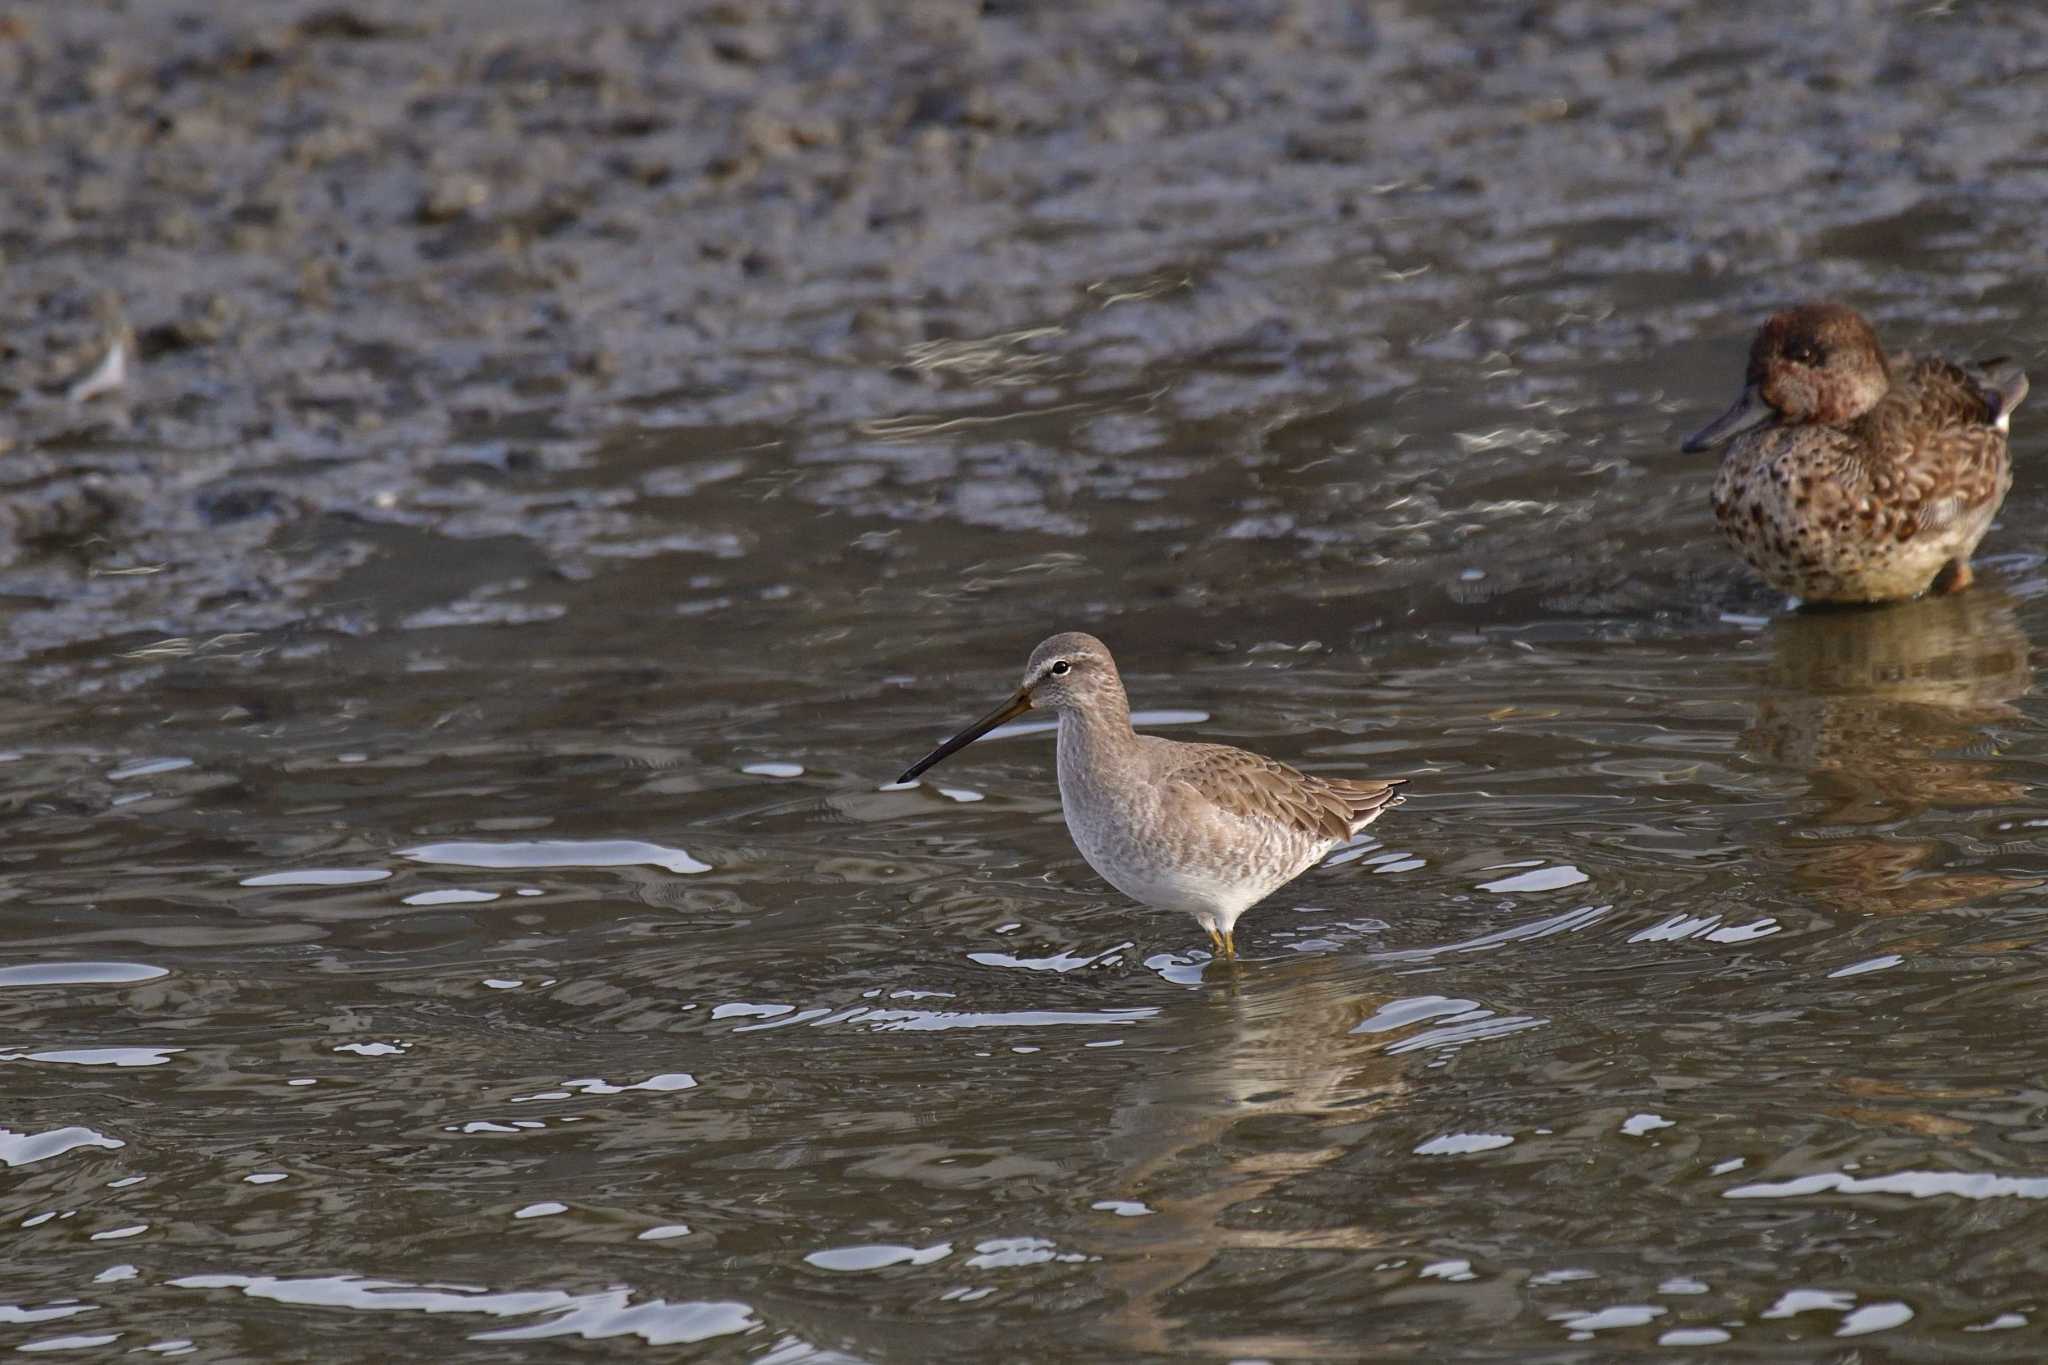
{"points": [[1258, 788]]}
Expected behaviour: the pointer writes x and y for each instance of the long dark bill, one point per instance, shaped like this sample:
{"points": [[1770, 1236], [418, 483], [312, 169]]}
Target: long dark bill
{"points": [[1750, 412], [1015, 706]]}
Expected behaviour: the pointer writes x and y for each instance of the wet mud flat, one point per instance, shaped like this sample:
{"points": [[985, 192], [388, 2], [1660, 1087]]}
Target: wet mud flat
{"points": [[416, 265], [565, 458]]}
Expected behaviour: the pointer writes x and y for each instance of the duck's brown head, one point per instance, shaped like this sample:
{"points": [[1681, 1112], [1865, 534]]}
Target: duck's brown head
{"points": [[1813, 363]]}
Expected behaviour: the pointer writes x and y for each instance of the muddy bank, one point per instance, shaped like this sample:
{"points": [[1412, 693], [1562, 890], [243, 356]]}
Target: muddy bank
{"points": [[433, 265]]}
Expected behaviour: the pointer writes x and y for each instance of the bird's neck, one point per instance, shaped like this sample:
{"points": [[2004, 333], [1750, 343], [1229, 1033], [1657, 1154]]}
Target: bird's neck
{"points": [[1089, 737]]}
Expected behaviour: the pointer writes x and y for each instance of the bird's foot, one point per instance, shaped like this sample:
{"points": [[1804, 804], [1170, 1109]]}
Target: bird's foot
{"points": [[1953, 578]]}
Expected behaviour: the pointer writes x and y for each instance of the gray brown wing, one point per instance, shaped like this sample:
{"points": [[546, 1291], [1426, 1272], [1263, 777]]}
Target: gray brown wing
{"points": [[1255, 787], [1928, 453]]}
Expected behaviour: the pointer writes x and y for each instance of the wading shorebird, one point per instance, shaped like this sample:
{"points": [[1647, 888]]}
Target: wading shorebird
{"points": [[1853, 477], [1201, 828]]}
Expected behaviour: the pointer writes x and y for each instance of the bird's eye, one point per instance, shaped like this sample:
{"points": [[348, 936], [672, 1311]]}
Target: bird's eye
{"points": [[1060, 668]]}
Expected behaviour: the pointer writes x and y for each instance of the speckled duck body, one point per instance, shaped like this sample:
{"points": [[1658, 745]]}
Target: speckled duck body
{"points": [[1852, 476]]}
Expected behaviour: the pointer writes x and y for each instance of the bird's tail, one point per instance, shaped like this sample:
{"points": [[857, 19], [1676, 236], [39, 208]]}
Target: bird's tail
{"points": [[2004, 386], [1368, 801]]}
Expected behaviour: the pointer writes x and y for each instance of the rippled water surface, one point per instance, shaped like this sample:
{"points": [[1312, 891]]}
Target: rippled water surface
{"points": [[450, 902]]}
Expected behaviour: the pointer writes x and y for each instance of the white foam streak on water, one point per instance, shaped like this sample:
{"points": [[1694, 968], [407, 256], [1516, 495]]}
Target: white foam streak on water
{"points": [[934, 1021], [1606, 1319], [81, 1342], [1568, 922], [319, 876], [97, 1056], [148, 767], [590, 1085], [1874, 964], [858, 1258], [1396, 1014], [1058, 962], [20, 1149], [79, 973], [1796, 1301], [610, 1313], [1914, 1184], [1542, 879], [1463, 1144], [1875, 1317], [13, 1313], [450, 895], [545, 853], [1462, 1029]]}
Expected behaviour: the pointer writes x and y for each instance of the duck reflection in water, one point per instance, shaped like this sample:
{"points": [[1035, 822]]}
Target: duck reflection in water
{"points": [[1885, 710]]}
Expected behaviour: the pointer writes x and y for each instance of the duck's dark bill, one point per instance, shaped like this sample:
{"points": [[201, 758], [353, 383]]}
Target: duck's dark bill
{"points": [[1750, 412], [1015, 706]]}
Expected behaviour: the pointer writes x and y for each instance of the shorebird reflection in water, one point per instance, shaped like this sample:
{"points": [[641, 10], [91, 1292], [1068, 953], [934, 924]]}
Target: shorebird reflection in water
{"points": [[1201, 828]]}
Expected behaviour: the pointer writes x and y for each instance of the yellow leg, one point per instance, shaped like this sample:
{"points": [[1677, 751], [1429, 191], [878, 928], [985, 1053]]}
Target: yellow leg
{"points": [[1230, 943], [1221, 944]]}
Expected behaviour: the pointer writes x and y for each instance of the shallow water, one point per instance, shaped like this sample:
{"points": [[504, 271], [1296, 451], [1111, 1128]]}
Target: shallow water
{"points": [[450, 908]]}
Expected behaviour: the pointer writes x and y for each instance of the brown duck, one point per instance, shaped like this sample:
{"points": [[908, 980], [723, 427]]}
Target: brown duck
{"points": [[1854, 477]]}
